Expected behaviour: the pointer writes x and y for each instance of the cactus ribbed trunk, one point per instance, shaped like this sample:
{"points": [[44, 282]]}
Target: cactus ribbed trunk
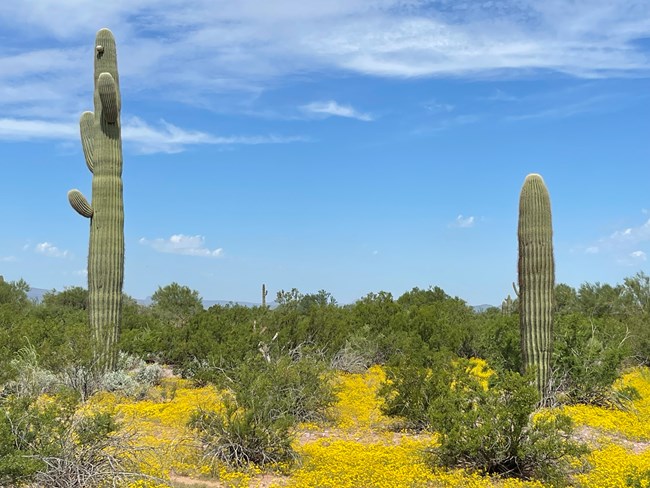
{"points": [[102, 146], [536, 281]]}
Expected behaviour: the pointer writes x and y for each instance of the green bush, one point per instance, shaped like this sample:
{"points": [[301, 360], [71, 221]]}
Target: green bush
{"points": [[29, 432], [238, 436], [498, 339], [588, 356], [43, 442], [268, 399], [491, 428], [411, 390]]}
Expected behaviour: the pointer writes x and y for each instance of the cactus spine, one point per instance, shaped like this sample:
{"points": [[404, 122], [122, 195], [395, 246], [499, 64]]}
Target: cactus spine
{"points": [[536, 280], [101, 141]]}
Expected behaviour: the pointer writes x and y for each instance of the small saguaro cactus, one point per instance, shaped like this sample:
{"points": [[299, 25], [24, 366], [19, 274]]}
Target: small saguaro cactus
{"points": [[536, 281], [101, 141]]}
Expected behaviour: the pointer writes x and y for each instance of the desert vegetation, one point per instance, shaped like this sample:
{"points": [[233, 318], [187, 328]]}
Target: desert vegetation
{"points": [[419, 390]]}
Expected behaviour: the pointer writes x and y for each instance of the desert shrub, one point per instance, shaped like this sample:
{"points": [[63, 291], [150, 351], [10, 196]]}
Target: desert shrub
{"points": [[30, 379], [91, 454], [44, 441], [498, 339], [149, 374], [300, 388], [17, 465], [134, 382], [411, 389], [120, 381], [357, 355], [30, 428], [488, 425], [268, 398], [237, 436], [588, 356]]}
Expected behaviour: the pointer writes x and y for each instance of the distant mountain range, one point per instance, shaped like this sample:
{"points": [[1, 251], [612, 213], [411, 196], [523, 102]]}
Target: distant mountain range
{"points": [[36, 294]]}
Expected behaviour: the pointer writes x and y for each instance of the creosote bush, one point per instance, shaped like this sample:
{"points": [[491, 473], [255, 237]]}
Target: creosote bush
{"points": [[589, 357], [485, 422], [238, 436], [43, 440], [268, 399]]}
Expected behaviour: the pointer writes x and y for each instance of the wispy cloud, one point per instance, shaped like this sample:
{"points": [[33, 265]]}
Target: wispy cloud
{"points": [[624, 244], [169, 138], [448, 123], [8, 259], [464, 222], [629, 235], [50, 250], [182, 244], [563, 110], [639, 255], [436, 107], [192, 49], [332, 108], [21, 129], [144, 137]]}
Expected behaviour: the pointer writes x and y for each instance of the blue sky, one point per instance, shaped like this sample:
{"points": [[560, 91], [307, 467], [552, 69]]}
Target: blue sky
{"points": [[348, 145]]}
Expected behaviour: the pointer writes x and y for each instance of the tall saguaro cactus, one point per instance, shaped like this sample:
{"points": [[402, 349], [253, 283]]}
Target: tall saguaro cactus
{"points": [[536, 280], [101, 140]]}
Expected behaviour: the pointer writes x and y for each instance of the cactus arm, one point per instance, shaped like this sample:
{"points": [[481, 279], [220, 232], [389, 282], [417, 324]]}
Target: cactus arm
{"points": [[80, 204], [108, 95], [106, 61], [86, 128], [515, 288]]}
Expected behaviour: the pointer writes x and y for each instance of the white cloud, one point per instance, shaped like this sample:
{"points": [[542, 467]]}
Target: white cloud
{"points": [[433, 106], [464, 222], [638, 255], [169, 138], [182, 244], [332, 108], [190, 50], [566, 110], [51, 250], [8, 259], [631, 235], [624, 244], [19, 129], [166, 137]]}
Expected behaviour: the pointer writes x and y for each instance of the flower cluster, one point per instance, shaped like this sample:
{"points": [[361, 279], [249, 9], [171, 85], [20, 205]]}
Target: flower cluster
{"points": [[632, 422], [359, 450]]}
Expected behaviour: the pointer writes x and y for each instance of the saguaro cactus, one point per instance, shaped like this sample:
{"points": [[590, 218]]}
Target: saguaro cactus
{"points": [[101, 141], [536, 280]]}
